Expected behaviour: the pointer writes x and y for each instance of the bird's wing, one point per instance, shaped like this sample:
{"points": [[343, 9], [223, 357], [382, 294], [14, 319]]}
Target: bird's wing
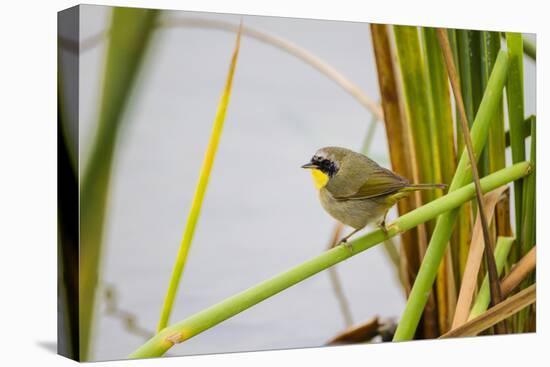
{"points": [[378, 183]]}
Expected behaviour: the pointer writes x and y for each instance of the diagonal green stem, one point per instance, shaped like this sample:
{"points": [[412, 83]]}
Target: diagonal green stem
{"points": [[231, 306]]}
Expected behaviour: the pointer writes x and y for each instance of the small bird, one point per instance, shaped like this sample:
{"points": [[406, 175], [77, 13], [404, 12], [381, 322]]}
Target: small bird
{"points": [[355, 190]]}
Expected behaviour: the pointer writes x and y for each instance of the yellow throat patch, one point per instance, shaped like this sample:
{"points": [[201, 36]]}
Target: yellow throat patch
{"points": [[319, 178]]}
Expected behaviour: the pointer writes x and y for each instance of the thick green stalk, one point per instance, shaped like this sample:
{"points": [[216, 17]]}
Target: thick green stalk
{"points": [[414, 78], [400, 149], [442, 121], [444, 154], [200, 191], [443, 229], [529, 224], [131, 31], [493, 157], [463, 46], [504, 244], [529, 198], [475, 56], [496, 144], [515, 102], [475, 68], [451, 33], [420, 119], [464, 67], [461, 235], [231, 306]]}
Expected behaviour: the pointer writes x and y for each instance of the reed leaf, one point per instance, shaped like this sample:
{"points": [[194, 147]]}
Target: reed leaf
{"points": [[442, 232], [465, 72], [495, 314], [419, 120], [462, 55], [200, 191], [515, 103], [496, 145], [444, 158], [529, 198], [212, 316], [442, 120], [414, 78], [493, 154], [490, 46], [504, 244], [131, 31], [529, 222]]}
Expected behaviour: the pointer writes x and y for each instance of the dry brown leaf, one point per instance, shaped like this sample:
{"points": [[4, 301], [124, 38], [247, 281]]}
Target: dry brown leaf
{"points": [[496, 314], [475, 255]]}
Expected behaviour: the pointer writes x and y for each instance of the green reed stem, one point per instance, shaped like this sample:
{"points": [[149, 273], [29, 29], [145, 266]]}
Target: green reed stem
{"points": [[515, 102], [529, 197], [414, 78], [212, 316]]}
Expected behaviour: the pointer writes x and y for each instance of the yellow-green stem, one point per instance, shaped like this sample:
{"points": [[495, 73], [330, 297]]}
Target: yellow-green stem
{"points": [[200, 191]]}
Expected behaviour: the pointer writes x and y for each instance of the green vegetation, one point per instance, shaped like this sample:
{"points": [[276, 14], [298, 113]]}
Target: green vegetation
{"points": [[427, 143]]}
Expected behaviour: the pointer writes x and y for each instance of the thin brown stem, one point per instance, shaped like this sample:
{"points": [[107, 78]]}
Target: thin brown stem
{"points": [[489, 254]]}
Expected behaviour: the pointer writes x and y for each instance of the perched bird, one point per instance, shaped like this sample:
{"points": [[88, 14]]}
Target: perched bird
{"points": [[355, 190]]}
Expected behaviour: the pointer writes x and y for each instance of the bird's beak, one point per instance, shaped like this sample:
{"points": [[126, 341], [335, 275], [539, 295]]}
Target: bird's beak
{"points": [[310, 166]]}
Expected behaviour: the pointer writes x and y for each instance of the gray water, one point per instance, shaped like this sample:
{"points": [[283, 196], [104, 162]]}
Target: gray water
{"points": [[261, 214]]}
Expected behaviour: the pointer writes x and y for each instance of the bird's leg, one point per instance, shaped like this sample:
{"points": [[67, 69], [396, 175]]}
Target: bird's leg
{"points": [[344, 241], [382, 224]]}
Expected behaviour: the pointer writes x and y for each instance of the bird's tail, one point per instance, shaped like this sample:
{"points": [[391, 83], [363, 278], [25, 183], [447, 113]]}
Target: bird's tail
{"points": [[414, 187]]}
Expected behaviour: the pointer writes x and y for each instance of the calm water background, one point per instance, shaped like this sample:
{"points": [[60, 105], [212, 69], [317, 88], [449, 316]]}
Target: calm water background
{"points": [[261, 214]]}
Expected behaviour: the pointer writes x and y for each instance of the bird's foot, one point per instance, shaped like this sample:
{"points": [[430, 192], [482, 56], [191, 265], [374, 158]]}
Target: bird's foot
{"points": [[344, 242], [382, 226]]}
